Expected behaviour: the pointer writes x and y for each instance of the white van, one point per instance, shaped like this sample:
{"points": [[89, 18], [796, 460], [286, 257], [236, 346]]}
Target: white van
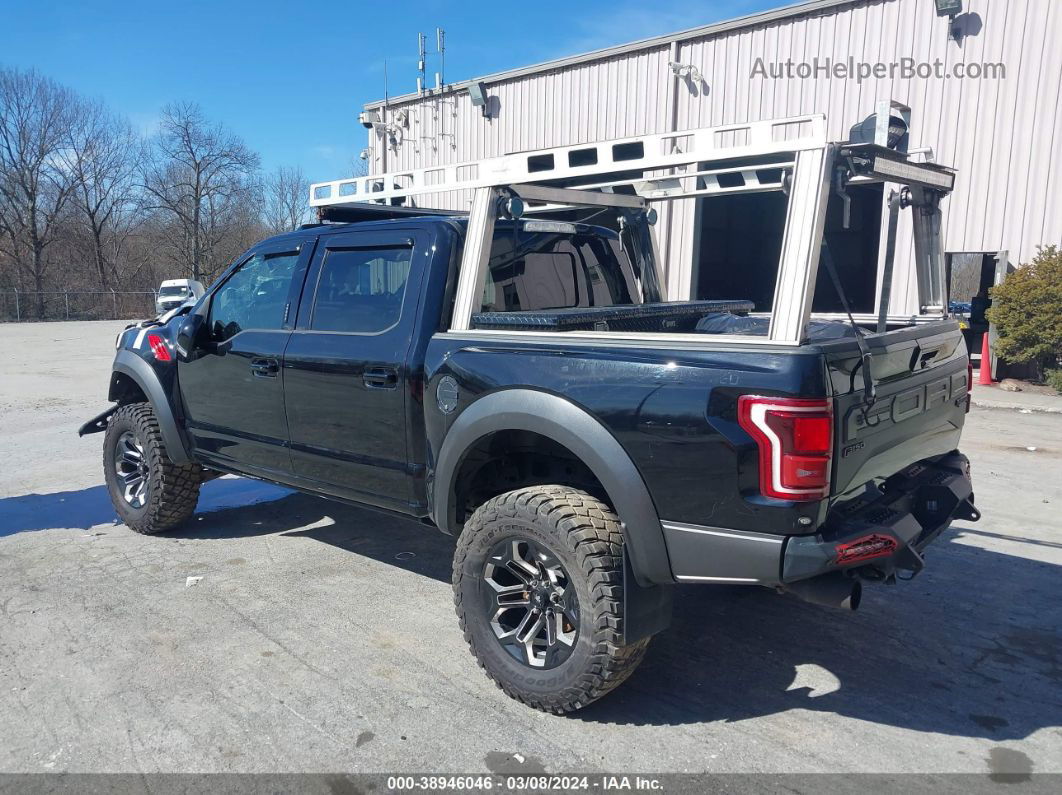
{"points": [[174, 292]]}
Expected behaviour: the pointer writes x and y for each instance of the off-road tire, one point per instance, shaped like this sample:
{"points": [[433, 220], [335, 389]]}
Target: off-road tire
{"points": [[584, 534], [173, 489]]}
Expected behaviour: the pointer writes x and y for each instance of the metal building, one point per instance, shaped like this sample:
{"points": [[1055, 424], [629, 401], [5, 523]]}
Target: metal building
{"points": [[984, 88]]}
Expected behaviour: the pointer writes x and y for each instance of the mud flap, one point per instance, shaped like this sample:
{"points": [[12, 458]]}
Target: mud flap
{"points": [[646, 609]]}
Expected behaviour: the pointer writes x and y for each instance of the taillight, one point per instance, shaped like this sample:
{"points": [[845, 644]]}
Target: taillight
{"points": [[795, 440], [159, 348]]}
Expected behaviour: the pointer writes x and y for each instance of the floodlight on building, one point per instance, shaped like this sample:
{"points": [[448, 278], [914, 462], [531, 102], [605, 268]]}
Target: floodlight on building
{"points": [[686, 71]]}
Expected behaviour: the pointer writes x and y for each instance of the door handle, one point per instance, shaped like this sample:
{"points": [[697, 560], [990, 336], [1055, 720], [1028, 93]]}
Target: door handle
{"points": [[380, 377], [265, 368]]}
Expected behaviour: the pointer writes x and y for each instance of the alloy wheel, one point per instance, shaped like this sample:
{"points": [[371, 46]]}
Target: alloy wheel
{"points": [[131, 467], [531, 603]]}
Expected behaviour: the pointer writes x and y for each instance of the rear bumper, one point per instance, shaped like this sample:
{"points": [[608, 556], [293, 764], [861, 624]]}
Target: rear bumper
{"points": [[881, 533], [876, 535]]}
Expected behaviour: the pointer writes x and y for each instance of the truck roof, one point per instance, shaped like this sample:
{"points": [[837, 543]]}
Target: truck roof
{"points": [[418, 218]]}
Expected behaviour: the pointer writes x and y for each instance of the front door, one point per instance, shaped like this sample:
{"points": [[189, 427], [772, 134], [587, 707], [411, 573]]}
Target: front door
{"points": [[232, 384], [345, 370]]}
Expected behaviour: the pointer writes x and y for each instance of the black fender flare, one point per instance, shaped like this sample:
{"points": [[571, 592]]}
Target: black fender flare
{"points": [[567, 424], [131, 365]]}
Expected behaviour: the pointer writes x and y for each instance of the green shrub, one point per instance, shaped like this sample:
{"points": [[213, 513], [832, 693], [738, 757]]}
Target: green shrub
{"points": [[1027, 311], [1054, 380]]}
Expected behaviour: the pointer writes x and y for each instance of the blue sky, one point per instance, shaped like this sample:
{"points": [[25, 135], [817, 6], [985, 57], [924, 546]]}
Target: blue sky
{"points": [[291, 77]]}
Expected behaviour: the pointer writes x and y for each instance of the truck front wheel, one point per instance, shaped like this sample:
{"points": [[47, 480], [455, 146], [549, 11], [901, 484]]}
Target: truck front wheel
{"points": [[150, 492], [538, 586]]}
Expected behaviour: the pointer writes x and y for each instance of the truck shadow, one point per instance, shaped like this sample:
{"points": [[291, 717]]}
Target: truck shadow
{"points": [[394, 540], [969, 648], [83, 509]]}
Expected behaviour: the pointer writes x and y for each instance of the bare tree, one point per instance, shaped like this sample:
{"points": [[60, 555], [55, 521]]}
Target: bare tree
{"points": [[79, 186], [36, 114], [200, 175], [359, 166], [104, 161], [286, 200]]}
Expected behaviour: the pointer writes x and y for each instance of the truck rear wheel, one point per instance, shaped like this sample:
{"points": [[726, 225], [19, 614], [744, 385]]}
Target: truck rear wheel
{"points": [[538, 587], [150, 492]]}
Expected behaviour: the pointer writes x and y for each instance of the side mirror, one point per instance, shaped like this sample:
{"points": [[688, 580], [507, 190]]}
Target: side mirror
{"points": [[189, 335]]}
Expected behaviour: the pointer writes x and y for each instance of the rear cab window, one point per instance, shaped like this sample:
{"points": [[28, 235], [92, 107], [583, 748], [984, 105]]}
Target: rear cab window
{"points": [[557, 276], [557, 270]]}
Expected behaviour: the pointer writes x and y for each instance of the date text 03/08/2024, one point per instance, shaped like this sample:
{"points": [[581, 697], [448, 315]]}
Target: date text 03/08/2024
{"points": [[533, 783]]}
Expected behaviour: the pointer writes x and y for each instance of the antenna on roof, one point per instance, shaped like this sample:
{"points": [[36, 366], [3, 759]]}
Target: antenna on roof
{"points": [[440, 47], [422, 48]]}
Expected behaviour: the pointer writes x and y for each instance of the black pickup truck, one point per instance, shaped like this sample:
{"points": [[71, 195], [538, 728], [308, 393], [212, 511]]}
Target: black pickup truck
{"points": [[589, 445]]}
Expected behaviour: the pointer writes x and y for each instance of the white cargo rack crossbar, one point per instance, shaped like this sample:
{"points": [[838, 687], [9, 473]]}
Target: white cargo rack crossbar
{"points": [[645, 153]]}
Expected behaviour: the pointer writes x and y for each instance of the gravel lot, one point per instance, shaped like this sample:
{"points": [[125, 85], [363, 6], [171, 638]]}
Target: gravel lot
{"points": [[315, 642]]}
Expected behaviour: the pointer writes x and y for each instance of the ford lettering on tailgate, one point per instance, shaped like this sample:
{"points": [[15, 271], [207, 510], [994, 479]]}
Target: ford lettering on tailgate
{"points": [[891, 410]]}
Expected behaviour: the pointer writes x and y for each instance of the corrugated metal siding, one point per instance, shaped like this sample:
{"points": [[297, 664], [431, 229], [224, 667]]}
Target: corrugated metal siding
{"points": [[1004, 136]]}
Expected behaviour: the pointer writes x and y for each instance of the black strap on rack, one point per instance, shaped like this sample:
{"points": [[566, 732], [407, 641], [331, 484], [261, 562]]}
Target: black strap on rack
{"points": [[870, 393]]}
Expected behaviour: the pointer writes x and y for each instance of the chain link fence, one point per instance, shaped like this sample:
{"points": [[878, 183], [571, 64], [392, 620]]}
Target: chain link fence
{"points": [[21, 305]]}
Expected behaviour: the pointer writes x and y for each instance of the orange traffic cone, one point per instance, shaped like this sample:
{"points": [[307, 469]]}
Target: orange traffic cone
{"points": [[984, 376]]}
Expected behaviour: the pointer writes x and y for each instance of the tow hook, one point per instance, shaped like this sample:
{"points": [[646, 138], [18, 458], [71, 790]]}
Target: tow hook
{"points": [[967, 511]]}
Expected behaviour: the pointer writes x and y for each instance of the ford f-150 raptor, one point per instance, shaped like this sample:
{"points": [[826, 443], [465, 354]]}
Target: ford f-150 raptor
{"points": [[515, 377]]}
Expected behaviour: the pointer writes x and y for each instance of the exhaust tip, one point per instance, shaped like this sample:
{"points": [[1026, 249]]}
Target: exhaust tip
{"points": [[855, 597], [829, 590]]}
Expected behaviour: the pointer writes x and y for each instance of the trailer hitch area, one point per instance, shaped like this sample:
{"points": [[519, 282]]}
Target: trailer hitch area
{"points": [[909, 560]]}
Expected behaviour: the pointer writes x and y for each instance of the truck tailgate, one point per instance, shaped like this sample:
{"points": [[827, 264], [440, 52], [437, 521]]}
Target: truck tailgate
{"points": [[922, 383]]}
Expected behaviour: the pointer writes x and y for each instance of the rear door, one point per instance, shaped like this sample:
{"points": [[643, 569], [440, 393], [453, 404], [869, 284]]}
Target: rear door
{"points": [[232, 386], [921, 378], [345, 367]]}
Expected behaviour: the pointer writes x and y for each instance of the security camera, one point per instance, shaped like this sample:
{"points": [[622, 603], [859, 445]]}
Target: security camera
{"points": [[364, 154], [368, 118]]}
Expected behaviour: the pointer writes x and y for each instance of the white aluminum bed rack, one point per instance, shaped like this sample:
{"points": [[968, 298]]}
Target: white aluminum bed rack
{"points": [[773, 144], [790, 154], [795, 147]]}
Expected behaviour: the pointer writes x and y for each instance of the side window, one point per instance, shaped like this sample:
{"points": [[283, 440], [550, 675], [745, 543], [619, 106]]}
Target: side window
{"points": [[361, 289], [253, 297]]}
